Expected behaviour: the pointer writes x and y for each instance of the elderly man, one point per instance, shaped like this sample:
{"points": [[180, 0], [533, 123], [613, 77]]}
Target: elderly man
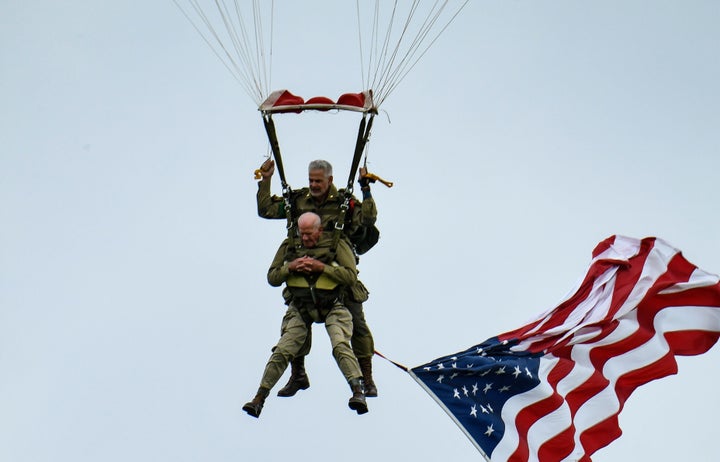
{"points": [[323, 198], [317, 280]]}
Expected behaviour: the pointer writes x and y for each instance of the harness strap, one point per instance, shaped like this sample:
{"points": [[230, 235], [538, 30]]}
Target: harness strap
{"points": [[362, 138]]}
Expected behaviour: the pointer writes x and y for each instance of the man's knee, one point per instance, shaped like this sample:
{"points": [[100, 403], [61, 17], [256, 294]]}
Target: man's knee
{"points": [[338, 324]]}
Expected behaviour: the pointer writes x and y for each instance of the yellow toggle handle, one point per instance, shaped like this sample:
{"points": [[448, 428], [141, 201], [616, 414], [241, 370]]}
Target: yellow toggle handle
{"points": [[372, 177]]}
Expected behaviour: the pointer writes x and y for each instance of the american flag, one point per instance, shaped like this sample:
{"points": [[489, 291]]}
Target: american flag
{"points": [[552, 390]]}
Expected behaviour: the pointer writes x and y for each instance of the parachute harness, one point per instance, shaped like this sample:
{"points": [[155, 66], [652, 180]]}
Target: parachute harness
{"points": [[361, 142]]}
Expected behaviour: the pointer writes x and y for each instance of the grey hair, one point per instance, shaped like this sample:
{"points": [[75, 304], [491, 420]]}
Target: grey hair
{"points": [[310, 218], [321, 165]]}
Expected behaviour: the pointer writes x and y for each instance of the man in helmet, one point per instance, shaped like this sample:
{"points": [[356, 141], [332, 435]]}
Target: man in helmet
{"points": [[323, 198]]}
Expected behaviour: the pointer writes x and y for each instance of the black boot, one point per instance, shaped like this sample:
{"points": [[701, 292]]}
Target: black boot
{"points": [[357, 400], [298, 378], [255, 406], [366, 368]]}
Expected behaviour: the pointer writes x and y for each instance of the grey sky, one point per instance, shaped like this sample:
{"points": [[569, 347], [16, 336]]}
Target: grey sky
{"points": [[135, 318]]}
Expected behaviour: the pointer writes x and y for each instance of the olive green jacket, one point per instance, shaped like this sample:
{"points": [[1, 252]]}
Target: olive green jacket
{"points": [[342, 269], [270, 206]]}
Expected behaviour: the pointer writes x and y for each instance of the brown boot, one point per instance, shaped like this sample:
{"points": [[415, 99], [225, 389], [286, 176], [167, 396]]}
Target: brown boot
{"points": [[255, 406], [298, 378], [366, 368], [357, 400]]}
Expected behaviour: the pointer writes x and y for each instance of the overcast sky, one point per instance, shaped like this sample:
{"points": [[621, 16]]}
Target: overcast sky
{"points": [[135, 317]]}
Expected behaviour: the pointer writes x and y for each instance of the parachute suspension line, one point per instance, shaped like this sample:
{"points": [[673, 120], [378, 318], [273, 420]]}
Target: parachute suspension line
{"points": [[382, 70], [371, 49], [228, 58], [253, 61], [360, 42], [250, 67], [389, 64], [239, 40], [218, 44], [365, 72], [263, 62], [410, 65], [395, 74], [370, 74], [399, 70], [272, 34], [377, 55]]}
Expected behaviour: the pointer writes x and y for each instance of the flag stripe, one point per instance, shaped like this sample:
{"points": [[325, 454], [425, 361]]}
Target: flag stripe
{"points": [[554, 388]]}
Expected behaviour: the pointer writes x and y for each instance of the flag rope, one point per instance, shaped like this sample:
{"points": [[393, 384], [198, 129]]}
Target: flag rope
{"points": [[392, 362]]}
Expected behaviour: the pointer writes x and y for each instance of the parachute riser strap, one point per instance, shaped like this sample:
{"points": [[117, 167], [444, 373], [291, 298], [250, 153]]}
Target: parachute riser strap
{"points": [[275, 147], [286, 190], [362, 139]]}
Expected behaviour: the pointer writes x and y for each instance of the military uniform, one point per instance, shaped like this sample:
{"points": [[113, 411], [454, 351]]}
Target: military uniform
{"points": [[273, 207], [319, 299], [361, 214]]}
